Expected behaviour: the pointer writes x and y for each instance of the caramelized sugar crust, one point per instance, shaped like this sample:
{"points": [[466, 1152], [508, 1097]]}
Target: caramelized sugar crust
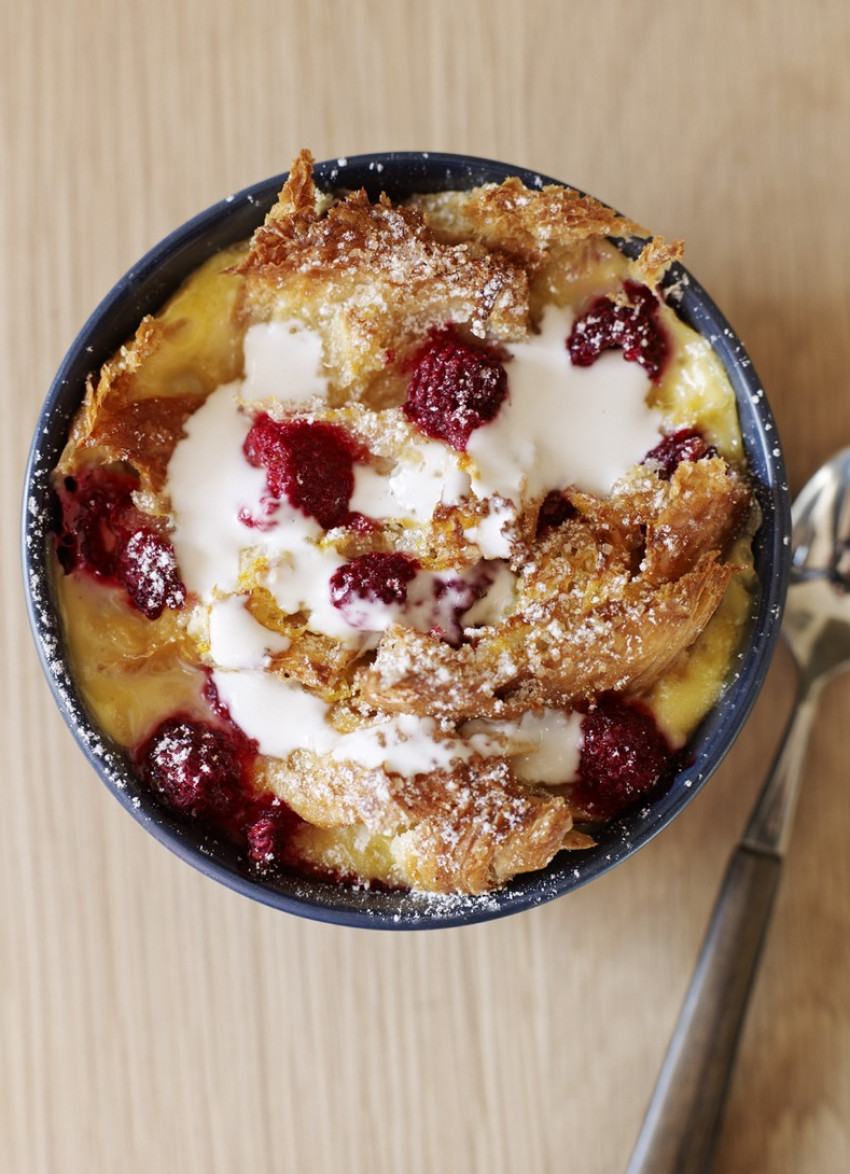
{"points": [[607, 602], [612, 598]]}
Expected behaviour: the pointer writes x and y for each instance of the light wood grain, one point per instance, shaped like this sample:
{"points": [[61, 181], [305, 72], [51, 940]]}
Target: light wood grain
{"points": [[152, 1021]]}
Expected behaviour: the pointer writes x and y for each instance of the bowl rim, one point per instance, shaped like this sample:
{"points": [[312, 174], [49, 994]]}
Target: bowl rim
{"points": [[143, 289]]}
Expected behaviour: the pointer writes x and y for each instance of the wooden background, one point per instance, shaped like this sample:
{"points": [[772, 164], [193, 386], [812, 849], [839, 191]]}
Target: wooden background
{"points": [[153, 1021]]}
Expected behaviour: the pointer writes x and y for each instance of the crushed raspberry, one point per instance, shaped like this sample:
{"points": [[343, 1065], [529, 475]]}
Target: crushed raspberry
{"points": [[434, 603], [454, 388], [213, 699], [263, 827], [685, 445], [554, 511], [624, 756], [360, 524], [94, 508], [633, 326], [103, 532], [452, 599], [309, 462], [203, 769], [195, 766], [263, 522], [377, 577], [263, 837]]}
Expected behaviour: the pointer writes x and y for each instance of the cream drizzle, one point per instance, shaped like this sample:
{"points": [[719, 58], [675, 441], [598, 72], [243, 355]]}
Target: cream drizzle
{"points": [[560, 425], [563, 425]]}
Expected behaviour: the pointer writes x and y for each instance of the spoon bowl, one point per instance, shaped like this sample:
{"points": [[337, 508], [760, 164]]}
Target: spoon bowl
{"points": [[817, 616]]}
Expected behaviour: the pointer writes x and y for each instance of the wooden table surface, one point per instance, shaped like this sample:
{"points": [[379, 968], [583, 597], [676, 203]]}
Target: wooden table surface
{"points": [[154, 1021]]}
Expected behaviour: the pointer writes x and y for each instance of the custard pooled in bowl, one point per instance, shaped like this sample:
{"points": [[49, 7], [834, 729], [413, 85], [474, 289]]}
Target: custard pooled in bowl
{"points": [[409, 542]]}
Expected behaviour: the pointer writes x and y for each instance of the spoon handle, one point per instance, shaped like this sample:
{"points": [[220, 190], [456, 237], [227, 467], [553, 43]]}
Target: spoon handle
{"points": [[681, 1122]]}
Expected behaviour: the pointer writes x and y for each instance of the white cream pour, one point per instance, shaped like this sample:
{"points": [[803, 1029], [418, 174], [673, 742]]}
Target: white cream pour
{"points": [[211, 496], [557, 740], [207, 494], [492, 534], [283, 718], [544, 747], [428, 475], [280, 715], [283, 361], [237, 640], [299, 580], [563, 425]]}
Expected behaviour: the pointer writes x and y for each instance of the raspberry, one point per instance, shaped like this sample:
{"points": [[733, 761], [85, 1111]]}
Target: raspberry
{"points": [[634, 326], [684, 445], [378, 577], [555, 509], [105, 534], [195, 767], [624, 756], [263, 840], [310, 462], [148, 570], [203, 769], [452, 599], [97, 511], [454, 388]]}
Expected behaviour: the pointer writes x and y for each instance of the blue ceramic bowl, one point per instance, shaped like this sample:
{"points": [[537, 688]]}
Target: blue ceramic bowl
{"points": [[143, 290]]}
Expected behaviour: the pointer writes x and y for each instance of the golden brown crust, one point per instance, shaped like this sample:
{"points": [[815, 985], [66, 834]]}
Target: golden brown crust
{"points": [[110, 392], [484, 831], [703, 509], [376, 278], [467, 830], [135, 407], [529, 224], [608, 601], [557, 235], [115, 426], [297, 202], [656, 257], [547, 655]]}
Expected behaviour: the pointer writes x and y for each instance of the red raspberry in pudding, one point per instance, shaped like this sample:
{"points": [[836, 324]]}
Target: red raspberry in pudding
{"points": [[634, 326], [309, 462], [203, 769], [454, 388], [148, 570], [377, 577], [104, 533], [685, 445], [264, 836], [95, 506], [555, 509], [195, 766], [623, 757]]}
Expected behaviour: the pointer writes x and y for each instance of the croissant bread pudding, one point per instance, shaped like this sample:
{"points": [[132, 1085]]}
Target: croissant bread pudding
{"points": [[408, 543]]}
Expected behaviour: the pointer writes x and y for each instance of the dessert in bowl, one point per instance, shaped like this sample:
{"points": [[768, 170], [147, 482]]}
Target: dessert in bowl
{"points": [[406, 541]]}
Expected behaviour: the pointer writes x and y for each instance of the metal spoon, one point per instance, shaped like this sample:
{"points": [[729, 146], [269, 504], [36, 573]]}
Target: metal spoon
{"points": [[680, 1126]]}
